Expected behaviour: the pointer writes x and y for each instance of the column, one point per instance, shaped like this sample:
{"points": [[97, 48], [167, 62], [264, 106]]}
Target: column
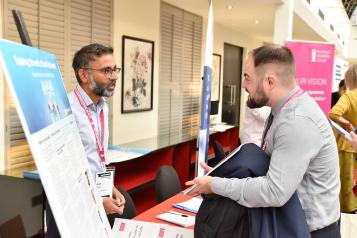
{"points": [[283, 25]]}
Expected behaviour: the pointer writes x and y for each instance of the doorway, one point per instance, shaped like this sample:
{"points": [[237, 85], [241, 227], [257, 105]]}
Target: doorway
{"points": [[232, 74]]}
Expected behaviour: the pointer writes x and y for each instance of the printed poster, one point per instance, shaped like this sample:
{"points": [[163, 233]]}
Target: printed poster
{"points": [[314, 69], [36, 84]]}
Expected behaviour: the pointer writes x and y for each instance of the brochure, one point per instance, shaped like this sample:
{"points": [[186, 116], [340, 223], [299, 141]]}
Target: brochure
{"points": [[191, 205], [140, 229]]}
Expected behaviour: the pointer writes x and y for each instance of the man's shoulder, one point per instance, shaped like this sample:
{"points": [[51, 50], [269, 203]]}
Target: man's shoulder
{"points": [[301, 111]]}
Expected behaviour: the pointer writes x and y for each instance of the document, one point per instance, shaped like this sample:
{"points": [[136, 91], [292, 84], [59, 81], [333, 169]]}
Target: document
{"points": [[124, 228], [191, 205], [177, 218], [230, 155], [340, 130]]}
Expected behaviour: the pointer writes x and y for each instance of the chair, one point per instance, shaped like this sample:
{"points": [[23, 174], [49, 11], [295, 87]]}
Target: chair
{"points": [[219, 154], [167, 183], [129, 209]]}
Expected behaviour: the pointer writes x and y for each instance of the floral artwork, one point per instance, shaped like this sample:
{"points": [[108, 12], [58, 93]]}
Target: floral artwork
{"points": [[137, 87], [216, 75]]}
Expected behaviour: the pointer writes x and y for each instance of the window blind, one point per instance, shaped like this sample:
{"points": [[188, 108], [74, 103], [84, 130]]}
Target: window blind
{"points": [[180, 76], [60, 27]]}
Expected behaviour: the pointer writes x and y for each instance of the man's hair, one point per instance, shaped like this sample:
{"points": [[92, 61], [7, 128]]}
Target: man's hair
{"points": [[351, 77], [88, 54], [278, 55]]}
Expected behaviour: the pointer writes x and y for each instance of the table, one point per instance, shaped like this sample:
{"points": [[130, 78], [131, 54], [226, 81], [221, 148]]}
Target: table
{"points": [[150, 215]]}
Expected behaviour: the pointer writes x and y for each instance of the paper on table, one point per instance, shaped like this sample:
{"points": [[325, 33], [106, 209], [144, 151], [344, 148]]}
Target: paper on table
{"points": [[177, 218], [191, 205], [230, 155], [124, 228]]}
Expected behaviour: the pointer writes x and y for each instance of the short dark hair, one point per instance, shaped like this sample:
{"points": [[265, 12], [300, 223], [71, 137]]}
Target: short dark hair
{"points": [[272, 53], [275, 54], [87, 54]]}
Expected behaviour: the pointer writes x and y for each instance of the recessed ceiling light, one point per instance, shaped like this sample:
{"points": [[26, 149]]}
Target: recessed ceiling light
{"points": [[256, 22], [229, 7]]}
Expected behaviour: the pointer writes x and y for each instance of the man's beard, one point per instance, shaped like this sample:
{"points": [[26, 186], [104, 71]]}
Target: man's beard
{"points": [[100, 91], [258, 102]]}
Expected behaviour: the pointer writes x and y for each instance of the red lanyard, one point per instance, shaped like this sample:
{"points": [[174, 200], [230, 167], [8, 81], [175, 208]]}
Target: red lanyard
{"points": [[270, 119], [99, 144], [297, 94]]}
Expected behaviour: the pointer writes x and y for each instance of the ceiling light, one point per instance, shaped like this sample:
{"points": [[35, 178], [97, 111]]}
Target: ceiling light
{"points": [[256, 22], [229, 7]]}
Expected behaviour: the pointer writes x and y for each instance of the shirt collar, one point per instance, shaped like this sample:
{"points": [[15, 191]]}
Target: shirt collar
{"points": [[87, 100], [276, 109]]}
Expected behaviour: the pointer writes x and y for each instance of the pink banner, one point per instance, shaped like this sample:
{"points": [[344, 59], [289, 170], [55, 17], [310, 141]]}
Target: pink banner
{"points": [[314, 70]]}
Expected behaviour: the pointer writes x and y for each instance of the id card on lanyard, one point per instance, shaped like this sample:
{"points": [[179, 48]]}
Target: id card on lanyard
{"points": [[104, 180]]}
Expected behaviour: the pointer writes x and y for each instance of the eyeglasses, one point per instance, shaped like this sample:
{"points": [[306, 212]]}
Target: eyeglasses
{"points": [[108, 72]]}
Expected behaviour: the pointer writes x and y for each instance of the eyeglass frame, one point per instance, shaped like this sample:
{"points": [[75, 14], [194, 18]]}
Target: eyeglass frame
{"points": [[106, 71]]}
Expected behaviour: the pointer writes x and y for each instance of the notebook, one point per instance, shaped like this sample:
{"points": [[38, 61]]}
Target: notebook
{"points": [[177, 218], [191, 205]]}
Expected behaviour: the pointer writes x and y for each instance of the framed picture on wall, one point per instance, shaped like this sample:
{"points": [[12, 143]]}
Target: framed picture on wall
{"points": [[138, 75], [216, 76]]}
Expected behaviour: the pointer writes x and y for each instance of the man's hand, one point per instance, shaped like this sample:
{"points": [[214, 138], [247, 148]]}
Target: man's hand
{"points": [[110, 206], [120, 200], [115, 204], [205, 167], [203, 185]]}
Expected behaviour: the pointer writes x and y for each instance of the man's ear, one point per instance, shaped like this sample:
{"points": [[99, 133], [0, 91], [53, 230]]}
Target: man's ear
{"points": [[83, 74], [271, 80]]}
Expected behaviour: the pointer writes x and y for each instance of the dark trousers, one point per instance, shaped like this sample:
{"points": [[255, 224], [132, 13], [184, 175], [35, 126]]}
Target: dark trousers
{"points": [[331, 231], [52, 230]]}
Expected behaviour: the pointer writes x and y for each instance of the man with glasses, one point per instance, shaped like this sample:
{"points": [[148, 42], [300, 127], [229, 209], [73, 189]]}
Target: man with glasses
{"points": [[96, 72]]}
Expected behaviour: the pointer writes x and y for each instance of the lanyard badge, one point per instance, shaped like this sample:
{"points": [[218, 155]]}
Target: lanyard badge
{"points": [[104, 182]]}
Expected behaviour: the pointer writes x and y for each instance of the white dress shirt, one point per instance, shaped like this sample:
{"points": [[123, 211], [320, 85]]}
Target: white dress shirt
{"points": [[85, 128], [253, 125]]}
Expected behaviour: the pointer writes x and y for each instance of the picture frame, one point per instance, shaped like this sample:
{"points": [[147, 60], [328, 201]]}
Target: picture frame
{"points": [[216, 77], [137, 74]]}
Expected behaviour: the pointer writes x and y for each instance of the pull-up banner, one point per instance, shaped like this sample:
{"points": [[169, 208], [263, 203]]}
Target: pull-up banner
{"points": [[206, 95], [314, 63], [36, 84]]}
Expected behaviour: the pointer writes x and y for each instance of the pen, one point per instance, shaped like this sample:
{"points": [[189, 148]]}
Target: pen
{"points": [[177, 213]]}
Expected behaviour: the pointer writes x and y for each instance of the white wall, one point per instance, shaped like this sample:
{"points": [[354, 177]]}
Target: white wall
{"points": [[132, 17], [138, 19], [223, 35], [352, 46]]}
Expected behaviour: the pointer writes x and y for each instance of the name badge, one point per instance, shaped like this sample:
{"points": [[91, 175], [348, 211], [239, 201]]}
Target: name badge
{"points": [[104, 182]]}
